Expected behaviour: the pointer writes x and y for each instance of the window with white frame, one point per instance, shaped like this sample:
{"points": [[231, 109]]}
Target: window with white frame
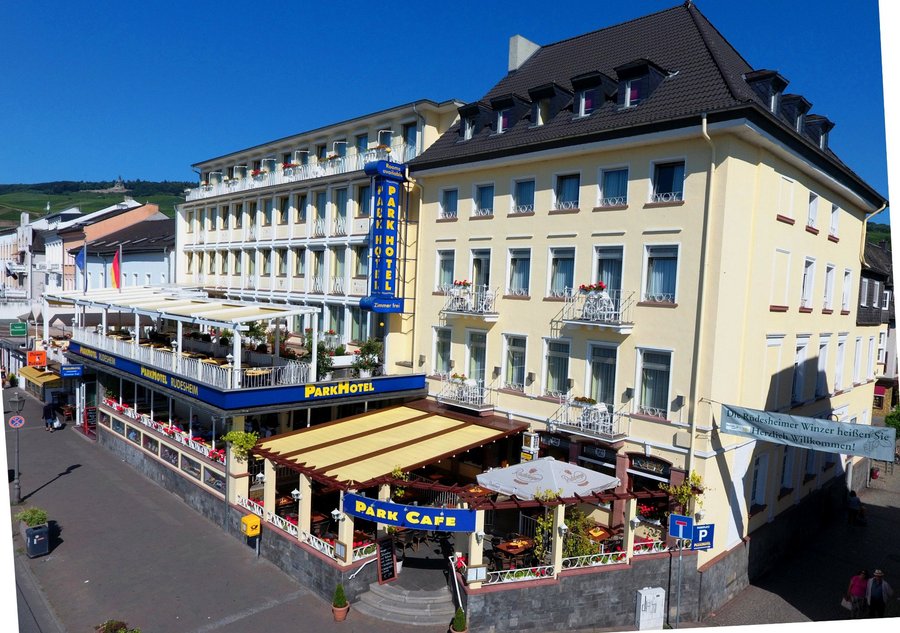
{"points": [[881, 338], [786, 197], [609, 269], [441, 351], [468, 128], [364, 201], [857, 361], [361, 261], [556, 380], [282, 262], [635, 90], [519, 272], [813, 210], [787, 470], [562, 271], [886, 300], [798, 380], [839, 363], [863, 291], [238, 262], [266, 263], [846, 290], [514, 371], [835, 215], [822, 367], [565, 193], [870, 359], [300, 215], [661, 265], [300, 262], [603, 374], [614, 187], [588, 101], [503, 120], [223, 264], [484, 199], [359, 324], [523, 196], [540, 113], [654, 377], [829, 287], [668, 182], [445, 264], [449, 201], [758, 482], [476, 349], [876, 293], [481, 269], [806, 287]]}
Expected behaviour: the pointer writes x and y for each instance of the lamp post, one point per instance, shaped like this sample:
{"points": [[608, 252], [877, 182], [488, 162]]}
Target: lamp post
{"points": [[18, 403]]}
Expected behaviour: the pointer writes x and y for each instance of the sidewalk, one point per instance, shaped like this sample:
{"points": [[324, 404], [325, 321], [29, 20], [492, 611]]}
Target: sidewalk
{"points": [[128, 549], [809, 585]]}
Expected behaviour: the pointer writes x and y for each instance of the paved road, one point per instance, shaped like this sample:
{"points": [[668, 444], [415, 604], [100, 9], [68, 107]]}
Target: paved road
{"points": [[128, 549], [809, 585]]}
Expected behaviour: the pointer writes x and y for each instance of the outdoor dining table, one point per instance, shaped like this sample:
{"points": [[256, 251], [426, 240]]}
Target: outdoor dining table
{"points": [[516, 546], [598, 534]]}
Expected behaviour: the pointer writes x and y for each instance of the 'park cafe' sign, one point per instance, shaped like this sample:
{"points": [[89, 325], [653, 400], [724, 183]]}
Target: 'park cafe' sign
{"points": [[413, 517], [813, 433]]}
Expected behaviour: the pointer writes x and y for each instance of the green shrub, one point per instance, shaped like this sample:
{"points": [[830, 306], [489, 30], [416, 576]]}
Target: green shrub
{"points": [[459, 620], [340, 599], [32, 517]]}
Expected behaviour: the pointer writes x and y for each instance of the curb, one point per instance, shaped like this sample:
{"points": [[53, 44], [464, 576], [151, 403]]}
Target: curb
{"points": [[32, 601]]}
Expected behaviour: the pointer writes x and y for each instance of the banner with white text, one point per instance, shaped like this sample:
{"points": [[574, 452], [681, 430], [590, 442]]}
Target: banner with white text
{"points": [[875, 442]]}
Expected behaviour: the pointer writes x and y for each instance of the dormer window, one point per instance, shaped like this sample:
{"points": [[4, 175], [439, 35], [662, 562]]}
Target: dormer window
{"points": [[587, 101], [635, 90], [541, 112], [503, 120], [468, 128]]}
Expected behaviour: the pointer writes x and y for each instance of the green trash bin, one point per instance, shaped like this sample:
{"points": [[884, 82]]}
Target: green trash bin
{"points": [[37, 540]]}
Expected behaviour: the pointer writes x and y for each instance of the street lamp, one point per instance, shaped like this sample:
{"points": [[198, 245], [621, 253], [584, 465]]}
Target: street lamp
{"points": [[18, 403]]}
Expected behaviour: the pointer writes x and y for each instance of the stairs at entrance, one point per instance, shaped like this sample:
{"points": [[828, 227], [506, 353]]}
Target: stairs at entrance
{"points": [[393, 603]]}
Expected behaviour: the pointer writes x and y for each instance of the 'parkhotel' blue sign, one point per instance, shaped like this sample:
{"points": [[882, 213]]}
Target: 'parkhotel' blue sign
{"points": [[384, 242], [413, 517]]}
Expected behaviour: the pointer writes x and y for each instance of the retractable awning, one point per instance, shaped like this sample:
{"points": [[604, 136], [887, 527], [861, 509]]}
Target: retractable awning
{"points": [[353, 452]]}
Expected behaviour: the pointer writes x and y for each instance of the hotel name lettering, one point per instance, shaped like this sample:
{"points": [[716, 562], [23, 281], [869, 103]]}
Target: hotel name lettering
{"points": [[170, 381], [100, 356], [384, 246], [340, 389]]}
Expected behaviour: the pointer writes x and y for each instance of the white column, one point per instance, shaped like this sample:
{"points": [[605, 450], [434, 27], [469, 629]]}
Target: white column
{"points": [[630, 513], [556, 539]]}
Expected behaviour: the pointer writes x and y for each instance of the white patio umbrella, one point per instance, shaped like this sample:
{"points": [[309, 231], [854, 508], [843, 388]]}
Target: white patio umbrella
{"points": [[545, 474]]}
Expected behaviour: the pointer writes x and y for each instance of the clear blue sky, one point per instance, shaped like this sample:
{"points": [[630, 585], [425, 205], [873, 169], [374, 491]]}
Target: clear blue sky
{"points": [[90, 91]]}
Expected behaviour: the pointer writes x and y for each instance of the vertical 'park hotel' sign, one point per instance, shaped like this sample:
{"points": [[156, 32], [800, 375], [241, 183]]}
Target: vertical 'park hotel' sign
{"points": [[384, 243]]}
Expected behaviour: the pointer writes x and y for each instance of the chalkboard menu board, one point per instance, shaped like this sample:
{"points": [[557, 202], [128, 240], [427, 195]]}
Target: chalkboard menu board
{"points": [[387, 562], [92, 416]]}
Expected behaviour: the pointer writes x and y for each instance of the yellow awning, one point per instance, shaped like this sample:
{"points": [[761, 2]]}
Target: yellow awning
{"points": [[38, 376], [366, 447]]}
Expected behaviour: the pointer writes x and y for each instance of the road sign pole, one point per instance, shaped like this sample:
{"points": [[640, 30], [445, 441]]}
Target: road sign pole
{"points": [[678, 591]]}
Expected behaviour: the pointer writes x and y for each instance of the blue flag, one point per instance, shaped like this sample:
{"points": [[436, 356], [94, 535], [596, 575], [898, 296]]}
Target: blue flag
{"points": [[80, 257]]}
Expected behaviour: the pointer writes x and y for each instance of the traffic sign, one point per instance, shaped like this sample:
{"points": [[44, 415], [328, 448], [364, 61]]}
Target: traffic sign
{"points": [[18, 329], [17, 422], [703, 536], [681, 526]]}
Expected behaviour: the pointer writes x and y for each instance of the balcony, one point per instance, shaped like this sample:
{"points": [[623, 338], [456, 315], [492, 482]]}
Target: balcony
{"points": [[604, 309], [467, 394], [267, 371], [400, 153], [590, 420], [473, 301]]}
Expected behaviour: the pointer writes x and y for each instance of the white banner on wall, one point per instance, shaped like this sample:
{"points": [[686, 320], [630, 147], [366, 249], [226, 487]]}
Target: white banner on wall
{"points": [[815, 433]]}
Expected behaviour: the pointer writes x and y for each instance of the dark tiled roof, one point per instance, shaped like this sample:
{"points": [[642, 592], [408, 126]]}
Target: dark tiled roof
{"points": [[705, 74], [878, 259], [148, 235]]}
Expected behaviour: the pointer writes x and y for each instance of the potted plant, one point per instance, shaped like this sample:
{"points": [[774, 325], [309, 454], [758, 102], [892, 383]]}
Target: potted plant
{"points": [[241, 443], [459, 621], [595, 287], [324, 361], [583, 401], [339, 604], [367, 358], [32, 517]]}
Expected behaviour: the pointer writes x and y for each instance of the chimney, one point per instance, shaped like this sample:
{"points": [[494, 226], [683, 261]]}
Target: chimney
{"points": [[520, 50]]}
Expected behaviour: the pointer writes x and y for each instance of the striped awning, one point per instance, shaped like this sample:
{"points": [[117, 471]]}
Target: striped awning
{"points": [[355, 451]]}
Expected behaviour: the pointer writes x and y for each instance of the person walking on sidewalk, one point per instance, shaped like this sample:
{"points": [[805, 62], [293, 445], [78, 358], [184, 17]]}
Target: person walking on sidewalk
{"points": [[48, 417], [857, 593], [878, 594], [854, 509]]}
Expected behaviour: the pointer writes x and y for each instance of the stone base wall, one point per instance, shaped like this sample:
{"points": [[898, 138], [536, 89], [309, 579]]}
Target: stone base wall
{"points": [[311, 569], [585, 599]]}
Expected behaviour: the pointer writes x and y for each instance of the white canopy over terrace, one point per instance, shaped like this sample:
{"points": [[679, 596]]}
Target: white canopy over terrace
{"points": [[183, 306], [546, 474]]}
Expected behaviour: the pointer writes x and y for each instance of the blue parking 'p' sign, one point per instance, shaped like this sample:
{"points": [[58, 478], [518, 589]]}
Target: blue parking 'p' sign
{"points": [[703, 536], [681, 526]]}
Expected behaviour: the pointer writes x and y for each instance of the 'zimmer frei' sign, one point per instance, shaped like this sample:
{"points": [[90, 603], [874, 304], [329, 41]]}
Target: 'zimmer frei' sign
{"points": [[813, 433], [414, 517], [384, 244]]}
